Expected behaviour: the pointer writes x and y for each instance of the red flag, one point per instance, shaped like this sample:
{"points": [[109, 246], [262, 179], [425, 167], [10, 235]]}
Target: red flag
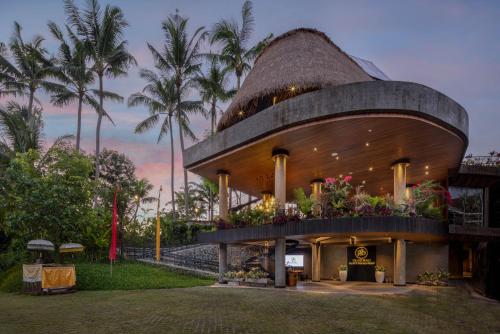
{"points": [[112, 248]]}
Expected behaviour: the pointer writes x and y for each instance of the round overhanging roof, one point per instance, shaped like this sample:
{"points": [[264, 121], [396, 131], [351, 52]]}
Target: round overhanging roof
{"points": [[366, 125]]}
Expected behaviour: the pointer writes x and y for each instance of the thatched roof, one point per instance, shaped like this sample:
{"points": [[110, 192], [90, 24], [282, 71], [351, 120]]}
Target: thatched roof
{"points": [[298, 61]]}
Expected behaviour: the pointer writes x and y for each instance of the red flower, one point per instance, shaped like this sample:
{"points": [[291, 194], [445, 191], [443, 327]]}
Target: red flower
{"points": [[347, 178], [330, 180]]}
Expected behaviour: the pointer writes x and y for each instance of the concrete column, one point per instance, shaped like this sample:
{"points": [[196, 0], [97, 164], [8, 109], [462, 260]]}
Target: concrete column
{"points": [[316, 261], [316, 195], [409, 191], [279, 263], [222, 261], [279, 157], [399, 168], [265, 254], [223, 194], [400, 262]]}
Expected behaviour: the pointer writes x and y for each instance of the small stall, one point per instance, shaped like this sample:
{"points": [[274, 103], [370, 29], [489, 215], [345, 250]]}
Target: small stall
{"points": [[40, 277]]}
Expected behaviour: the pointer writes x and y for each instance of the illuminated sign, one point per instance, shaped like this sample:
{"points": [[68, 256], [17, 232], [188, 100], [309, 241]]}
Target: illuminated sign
{"points": [[361, 263]]}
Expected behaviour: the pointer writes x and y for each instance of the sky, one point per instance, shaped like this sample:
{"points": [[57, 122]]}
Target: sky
{"points": [[451, 46]]}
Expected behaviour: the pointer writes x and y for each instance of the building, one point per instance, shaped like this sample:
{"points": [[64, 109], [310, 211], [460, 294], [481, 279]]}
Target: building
{"points": [[308, 111]]}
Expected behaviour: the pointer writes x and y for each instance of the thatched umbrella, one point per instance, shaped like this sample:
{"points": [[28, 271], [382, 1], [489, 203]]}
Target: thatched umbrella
{"points": [[41, 245], [296, 62]]}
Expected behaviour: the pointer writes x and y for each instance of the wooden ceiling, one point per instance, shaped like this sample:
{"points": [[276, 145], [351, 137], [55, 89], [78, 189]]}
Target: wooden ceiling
{"points": [[366, 146]]}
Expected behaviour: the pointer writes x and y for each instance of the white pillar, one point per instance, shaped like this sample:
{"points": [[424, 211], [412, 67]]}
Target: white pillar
{"points": [[316, 261], [316, 195], [399, 168], [223, 194], [279, 263], [222, 261], [279, 157], [400, 262]]}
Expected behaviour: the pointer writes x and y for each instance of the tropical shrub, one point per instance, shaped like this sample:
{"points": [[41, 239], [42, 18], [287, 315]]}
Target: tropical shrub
{"points": [[431, 278], [335, 196], [380, 268], [304, 204]]}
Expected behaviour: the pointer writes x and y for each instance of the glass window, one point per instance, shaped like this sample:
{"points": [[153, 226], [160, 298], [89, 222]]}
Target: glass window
{"points": [[466, 206]]}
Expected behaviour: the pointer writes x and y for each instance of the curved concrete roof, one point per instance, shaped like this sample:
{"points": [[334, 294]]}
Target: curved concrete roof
{"points": [[351, 99]]}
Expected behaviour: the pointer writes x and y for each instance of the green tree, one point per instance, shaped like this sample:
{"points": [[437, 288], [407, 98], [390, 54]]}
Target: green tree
{"points": [[236, 54], [207, 195], [29, 70], [181, 57], [102, 33], [17, 133], [212, 88], [76, 76], [48, 196]]}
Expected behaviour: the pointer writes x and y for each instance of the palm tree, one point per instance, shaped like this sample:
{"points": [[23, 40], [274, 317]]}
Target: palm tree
{"points": [[182, 58], [77, 77], [102, 34], [236, 54], [142, 188], [29, 70], [160, 97], [212, 88], [18, 131], [207, 194]]}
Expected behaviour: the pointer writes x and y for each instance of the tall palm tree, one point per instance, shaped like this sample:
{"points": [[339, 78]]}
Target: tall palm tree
{"points": [[77, 77], [181, 57], [159, 96], [212, 88], [236, 54], [102, 34], [19, 132], [29, 70]]}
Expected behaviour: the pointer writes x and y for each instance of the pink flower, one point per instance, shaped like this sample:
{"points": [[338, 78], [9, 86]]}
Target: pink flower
{"points": [[330, 180], [347, 178]]}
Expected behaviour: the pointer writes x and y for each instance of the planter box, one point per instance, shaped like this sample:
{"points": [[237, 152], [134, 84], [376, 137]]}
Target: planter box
{"points": [[343, 275]]}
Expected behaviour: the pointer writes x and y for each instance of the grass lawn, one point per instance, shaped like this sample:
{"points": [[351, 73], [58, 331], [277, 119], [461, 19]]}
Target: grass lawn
{"points": [[126, 276], [227, 310]]}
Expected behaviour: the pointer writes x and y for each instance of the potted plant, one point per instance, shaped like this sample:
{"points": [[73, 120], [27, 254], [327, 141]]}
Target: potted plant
{"points": [[256, 275], [343, 272], [379, 274], [230, 277]]}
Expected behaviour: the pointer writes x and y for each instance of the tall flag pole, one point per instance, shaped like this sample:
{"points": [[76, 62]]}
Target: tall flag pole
{"points": [[158, 227], [112, 247]]}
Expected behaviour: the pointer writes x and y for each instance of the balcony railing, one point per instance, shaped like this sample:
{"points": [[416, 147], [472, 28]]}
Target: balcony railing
{"points": [[492, 160], [458, 217]]}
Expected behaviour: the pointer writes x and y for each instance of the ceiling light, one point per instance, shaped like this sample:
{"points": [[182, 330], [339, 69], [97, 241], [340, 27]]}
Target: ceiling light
{"points": [[334, 154], [350, 173], [426, 173], [370, 169], [427, 167], [364, 182], [367, 144], [341, 175], [292, 88], [241, 113], [337, 157], [369, 130], [315, 149]]}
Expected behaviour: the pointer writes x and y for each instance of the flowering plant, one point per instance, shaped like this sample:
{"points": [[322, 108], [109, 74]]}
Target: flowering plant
{"points": [[342, 267], [335, 196], [380, 268]]}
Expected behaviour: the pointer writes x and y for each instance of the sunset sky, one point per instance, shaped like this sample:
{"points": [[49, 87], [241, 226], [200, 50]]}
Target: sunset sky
{"points": [[452, 46]]}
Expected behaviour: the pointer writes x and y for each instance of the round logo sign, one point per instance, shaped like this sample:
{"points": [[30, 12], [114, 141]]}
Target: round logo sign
{"points": [[361, 252]]}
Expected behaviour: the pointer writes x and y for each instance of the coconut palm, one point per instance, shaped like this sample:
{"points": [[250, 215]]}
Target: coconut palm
{"points": [[180, 56], [207, 194], [212, 88], [236, 54], [102, 34], [160, 98], [142, 188], [29, 70], [18, 131], [77, 77]]}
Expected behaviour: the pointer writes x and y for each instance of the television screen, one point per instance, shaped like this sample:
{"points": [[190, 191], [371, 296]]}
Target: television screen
{"points": [[294, 260]]}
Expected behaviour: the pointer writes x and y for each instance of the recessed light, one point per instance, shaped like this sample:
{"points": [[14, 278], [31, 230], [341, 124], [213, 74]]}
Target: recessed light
{"points": [[426, 173], [337, 157], [364, 182], [241, 113], [369, 130], [315, 149], [367, 144], [427, 167], [334, 154], [350, 173], [370, 169], [341, 175]]}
